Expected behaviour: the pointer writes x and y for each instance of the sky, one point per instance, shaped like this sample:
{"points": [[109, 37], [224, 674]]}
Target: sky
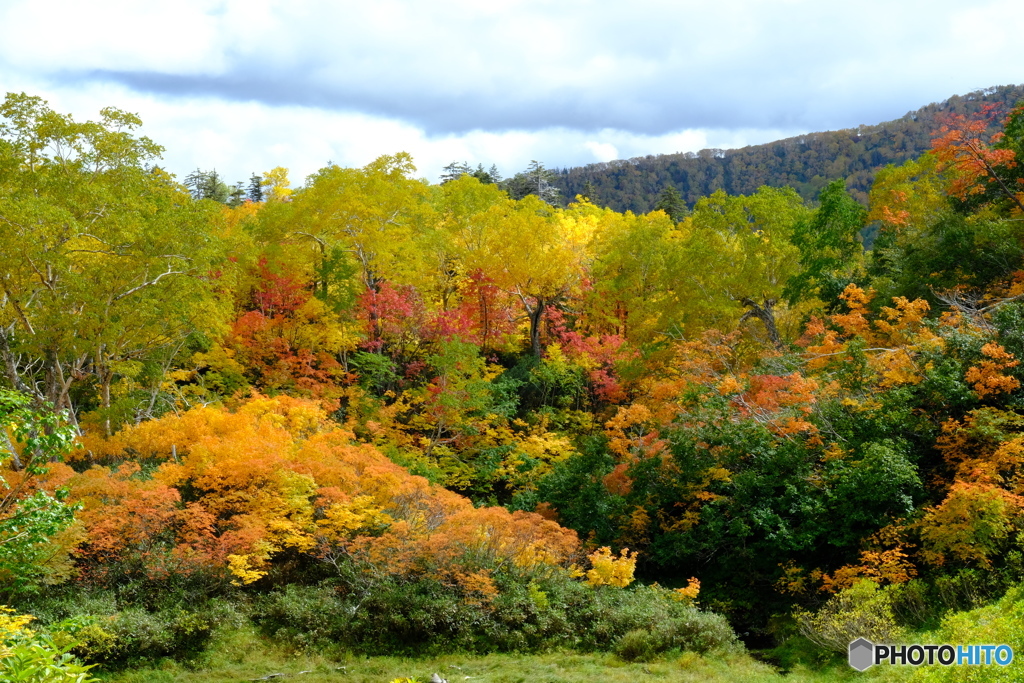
{"points": [[245, 86]]}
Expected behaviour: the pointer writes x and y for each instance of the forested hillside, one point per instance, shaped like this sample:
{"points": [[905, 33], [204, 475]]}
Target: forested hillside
{"points": [[806, 162], [372, 414]]}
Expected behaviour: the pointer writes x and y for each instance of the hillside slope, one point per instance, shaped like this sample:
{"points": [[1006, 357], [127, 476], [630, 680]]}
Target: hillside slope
{"points": [[805, 162]]}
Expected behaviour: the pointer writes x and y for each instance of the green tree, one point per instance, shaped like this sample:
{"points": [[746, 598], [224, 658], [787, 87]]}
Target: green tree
{"points": [[372, 214], [672, 203], [106, 262], [736, 253], [255, 188], [535, 180], [829, 245]]}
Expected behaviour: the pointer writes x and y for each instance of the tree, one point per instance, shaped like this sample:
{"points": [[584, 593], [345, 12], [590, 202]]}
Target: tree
{"points": [[207, 185], [589, 191], [535, 254], [671, 202], [829, 245], [255, 189], [632, 281], [738, 251], [278, 187], [237, 195], [980, 168], [106, 262], [535, 180], [454, 171], [367, 218]]}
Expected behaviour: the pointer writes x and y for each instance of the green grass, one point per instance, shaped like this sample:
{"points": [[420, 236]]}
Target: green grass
{"points": [[241, 655]]}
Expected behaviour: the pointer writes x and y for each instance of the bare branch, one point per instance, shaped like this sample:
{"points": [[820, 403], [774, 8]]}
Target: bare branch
{"points": [[147, 284]]}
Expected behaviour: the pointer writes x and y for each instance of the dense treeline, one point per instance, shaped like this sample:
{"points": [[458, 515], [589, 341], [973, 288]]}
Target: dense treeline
{"points": [[806, 163], [378, 413]]}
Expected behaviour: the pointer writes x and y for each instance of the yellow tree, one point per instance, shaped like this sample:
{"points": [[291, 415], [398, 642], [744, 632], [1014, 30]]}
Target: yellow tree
{"points": [[372, 214], [736, 253], [632, 287], [536, 253]]}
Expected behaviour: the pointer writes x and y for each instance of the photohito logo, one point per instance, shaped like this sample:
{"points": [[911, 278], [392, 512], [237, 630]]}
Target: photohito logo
{"points": [[863, 654]]}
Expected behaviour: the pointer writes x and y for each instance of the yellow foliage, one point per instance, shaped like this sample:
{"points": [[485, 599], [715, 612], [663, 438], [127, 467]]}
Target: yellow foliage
{"points": [[242, 567], [343, 520], [11, 624], [688, 594], [970, 524], [729, 385], [609, 570]]}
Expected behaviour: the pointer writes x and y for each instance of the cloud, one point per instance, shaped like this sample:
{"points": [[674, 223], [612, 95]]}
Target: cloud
{"points": [[451, 66], [246, 85], [603, 151]]}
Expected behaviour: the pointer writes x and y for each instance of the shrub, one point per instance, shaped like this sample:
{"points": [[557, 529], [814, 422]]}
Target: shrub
{"points": [[427, 617], [112, 631], [859, 611], [28, 656], [639, 645]]}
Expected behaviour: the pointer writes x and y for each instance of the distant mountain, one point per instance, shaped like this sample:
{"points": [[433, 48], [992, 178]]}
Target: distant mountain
{"points": [[805, 162]]}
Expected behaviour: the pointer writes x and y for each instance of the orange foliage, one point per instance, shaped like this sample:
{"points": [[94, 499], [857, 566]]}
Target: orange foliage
{"points": [[970, 524], [632, 433], [971, 161], [987, 378], [689, 593], [883, 566], [274, 475]]}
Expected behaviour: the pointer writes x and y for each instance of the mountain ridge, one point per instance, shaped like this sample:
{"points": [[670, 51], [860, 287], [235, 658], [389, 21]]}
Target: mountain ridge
{"points": [[805, 162]]}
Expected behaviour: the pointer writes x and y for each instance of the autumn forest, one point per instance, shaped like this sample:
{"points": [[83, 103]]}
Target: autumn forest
{"points": [[380, 414]]}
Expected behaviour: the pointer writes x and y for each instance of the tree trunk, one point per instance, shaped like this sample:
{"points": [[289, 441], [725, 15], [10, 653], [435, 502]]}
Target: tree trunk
{"points": [[765, 313], [536, 316]]}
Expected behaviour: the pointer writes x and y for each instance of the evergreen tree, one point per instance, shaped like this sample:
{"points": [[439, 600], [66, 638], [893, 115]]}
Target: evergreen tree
{"points": [[454, 171], [207, 185], [535, 180], [671, 202], [255, 188], [237, 195]]}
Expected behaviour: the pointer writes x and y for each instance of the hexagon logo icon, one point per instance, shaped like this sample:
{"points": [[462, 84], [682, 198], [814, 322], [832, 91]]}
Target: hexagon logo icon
{"points": [[861, 654]]}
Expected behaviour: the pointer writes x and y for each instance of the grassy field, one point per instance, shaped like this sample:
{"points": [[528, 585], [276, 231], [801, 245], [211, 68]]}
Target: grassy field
{"points": [[242, 656]]}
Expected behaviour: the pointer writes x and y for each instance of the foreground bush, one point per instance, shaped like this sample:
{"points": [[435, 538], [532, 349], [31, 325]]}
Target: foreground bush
{"points": [[1001, 622], [426, 617], [114, 631], [30, 656]]}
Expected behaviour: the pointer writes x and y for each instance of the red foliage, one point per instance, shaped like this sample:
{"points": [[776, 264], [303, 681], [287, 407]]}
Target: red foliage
{"points": [[484, 316], [599, 354], [391, 314], [277, 293]]}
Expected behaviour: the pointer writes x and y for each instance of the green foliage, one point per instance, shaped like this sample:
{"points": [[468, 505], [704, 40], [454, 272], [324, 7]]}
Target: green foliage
{"points": [[109, 630], [425, 617], [29, 518], [31, 656], [671, 202], [829, 244], [862, 611], [955, 251], [866, 493], [806, 162], [377, 372], [1001, 622]]}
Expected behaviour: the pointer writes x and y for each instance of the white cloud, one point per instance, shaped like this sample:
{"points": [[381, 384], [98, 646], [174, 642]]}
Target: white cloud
{"points": [[602, 151], [245, 85]]}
